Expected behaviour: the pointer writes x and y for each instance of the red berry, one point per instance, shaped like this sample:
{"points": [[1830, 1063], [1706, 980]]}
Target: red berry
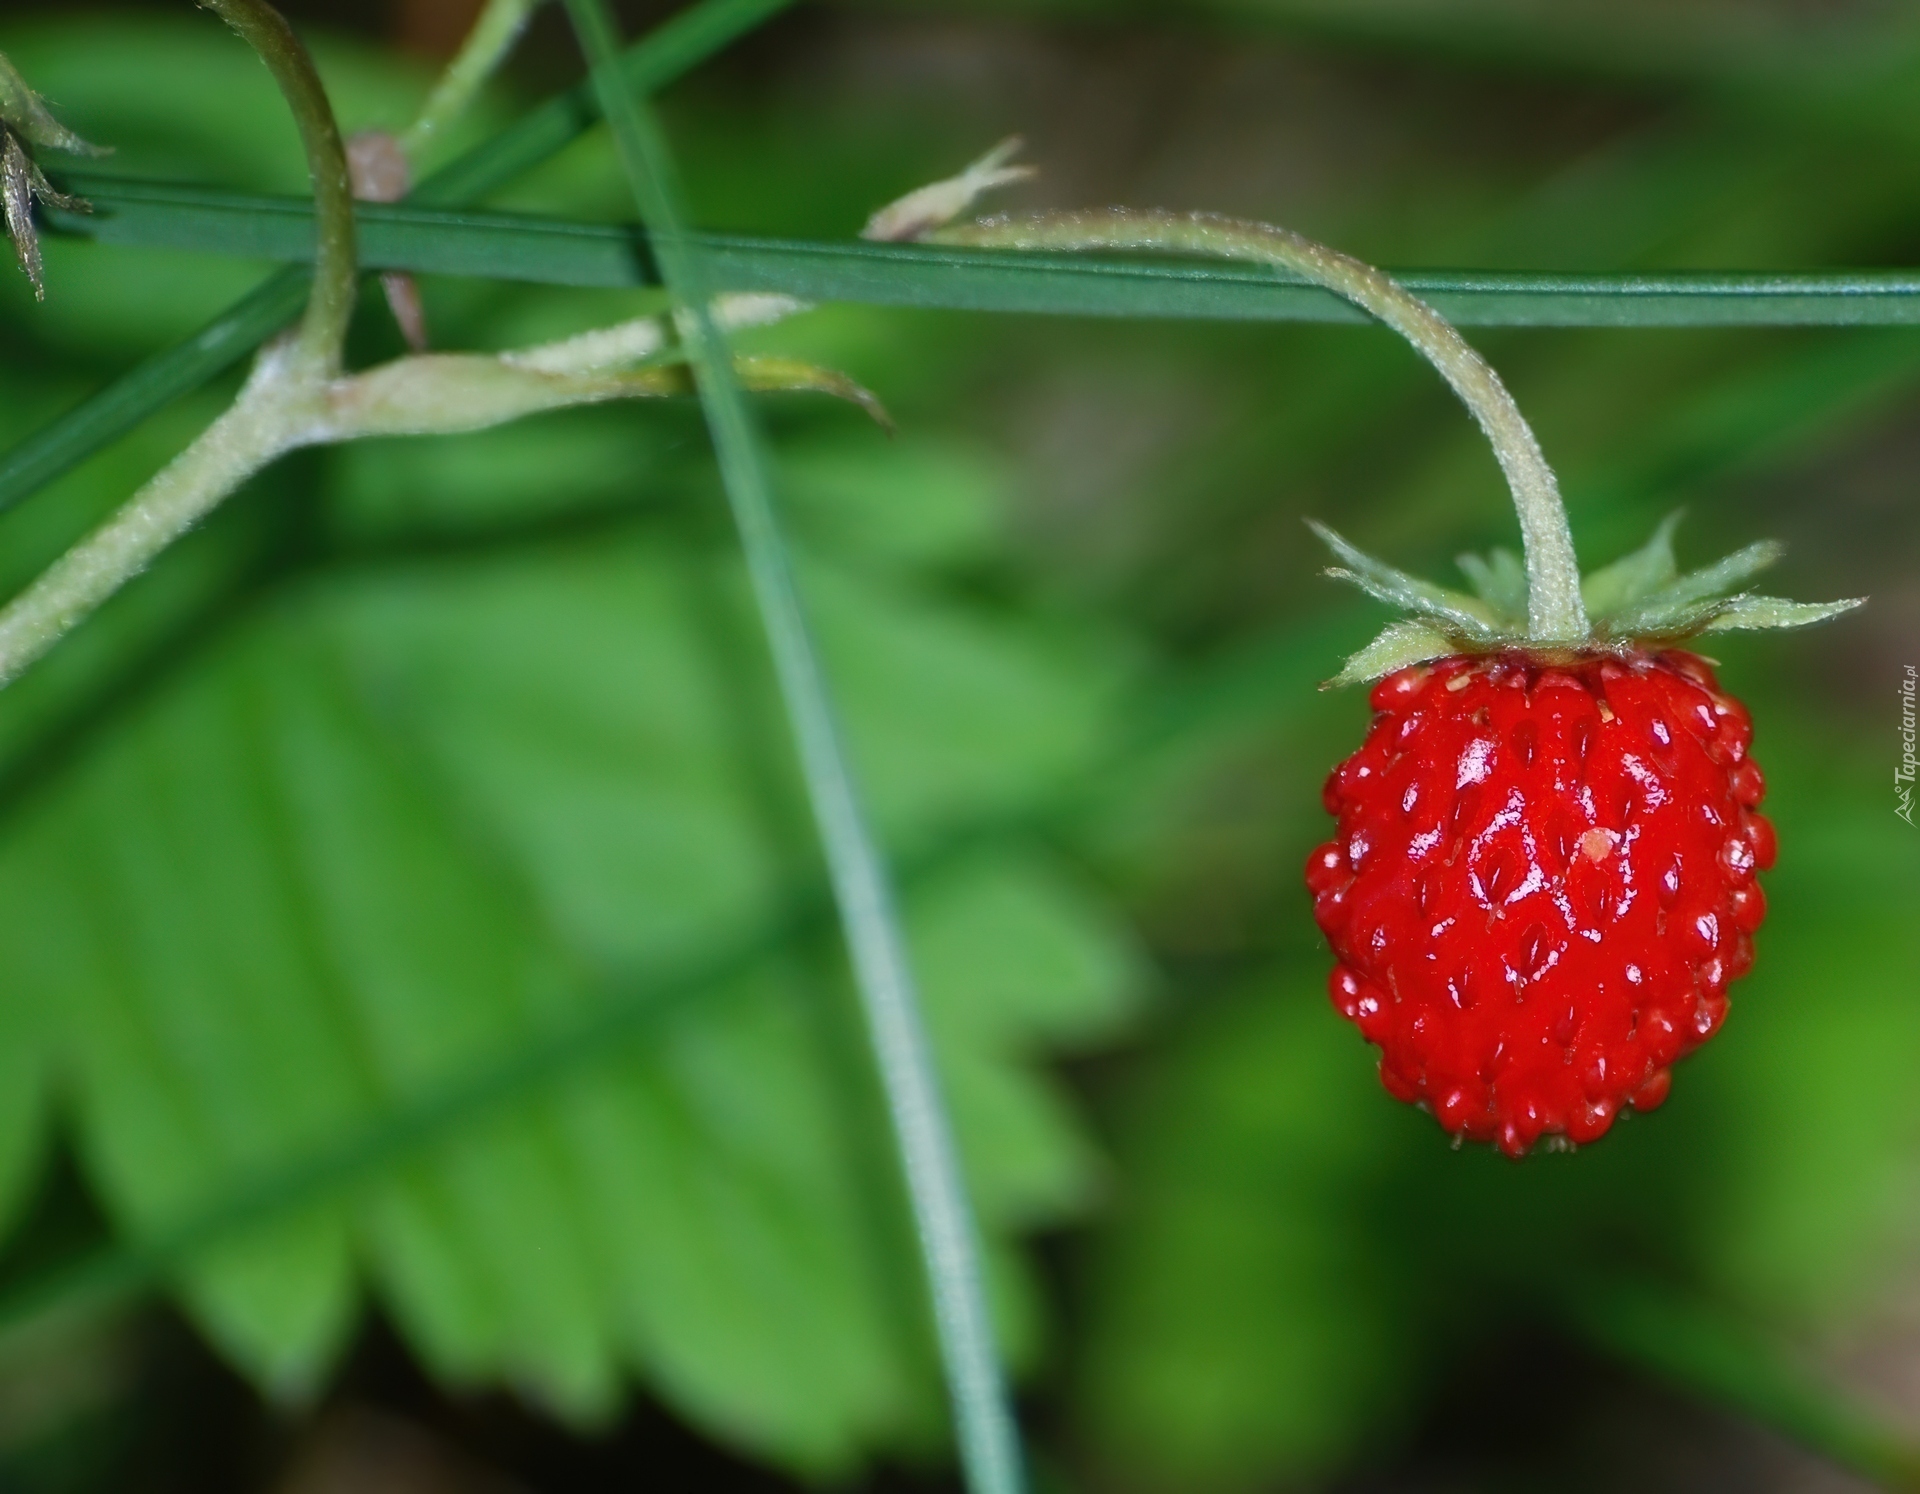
{"points": [[1542, 883]]}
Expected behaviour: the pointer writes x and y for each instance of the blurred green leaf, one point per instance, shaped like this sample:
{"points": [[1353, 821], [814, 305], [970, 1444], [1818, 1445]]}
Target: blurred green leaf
{"points": [[408, 823]]}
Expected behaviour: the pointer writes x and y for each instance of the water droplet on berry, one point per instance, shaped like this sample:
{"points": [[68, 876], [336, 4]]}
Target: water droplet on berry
{"points": [[1760, 833], [1737, 858], [1749, 784]]}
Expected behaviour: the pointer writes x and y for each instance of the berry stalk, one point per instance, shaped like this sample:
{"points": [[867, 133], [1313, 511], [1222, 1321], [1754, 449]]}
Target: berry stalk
{"points": [[1555, 613]]}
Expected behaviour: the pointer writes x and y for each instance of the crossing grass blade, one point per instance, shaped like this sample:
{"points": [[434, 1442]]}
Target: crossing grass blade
{"points": [[551, 251], [984, 1426], [656, 60]]}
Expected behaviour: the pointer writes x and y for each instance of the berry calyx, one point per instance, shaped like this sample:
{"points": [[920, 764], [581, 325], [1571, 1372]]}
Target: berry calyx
{"points": [[1542, 884]]}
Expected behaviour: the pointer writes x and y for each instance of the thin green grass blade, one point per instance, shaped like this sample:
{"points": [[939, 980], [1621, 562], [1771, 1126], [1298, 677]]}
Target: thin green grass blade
{"points": [[943, 1215], [551, 251], [676, 48]]}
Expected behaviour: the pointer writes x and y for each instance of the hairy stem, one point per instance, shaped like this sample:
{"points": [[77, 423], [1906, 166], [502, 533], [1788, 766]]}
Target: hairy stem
{"points": [[943, 1216], [323, 330], [244, 439], [485, 48], [1554, 610]]}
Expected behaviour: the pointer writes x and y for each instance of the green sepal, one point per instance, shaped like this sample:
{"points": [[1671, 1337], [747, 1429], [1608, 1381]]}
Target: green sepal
{"points": [[1633, 578], [1403, 643], [1677, 605], [1454, 611], [1639, 601], [1500, 580], [1750, 611]]}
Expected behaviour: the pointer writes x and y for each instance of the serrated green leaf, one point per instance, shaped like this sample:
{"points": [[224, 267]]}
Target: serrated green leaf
{"points": [[1636, 576], [384, 838]]}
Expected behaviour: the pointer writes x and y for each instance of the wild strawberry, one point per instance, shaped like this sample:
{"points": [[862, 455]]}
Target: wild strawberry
{"points": [[1543, 882], [1544, 878]]}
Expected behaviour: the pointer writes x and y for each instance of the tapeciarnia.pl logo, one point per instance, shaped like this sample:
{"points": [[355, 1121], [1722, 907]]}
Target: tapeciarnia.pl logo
{"points": [[1903, 775]]}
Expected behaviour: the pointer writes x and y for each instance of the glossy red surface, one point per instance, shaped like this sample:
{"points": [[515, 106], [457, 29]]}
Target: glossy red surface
{"points": [[1542, 884]]}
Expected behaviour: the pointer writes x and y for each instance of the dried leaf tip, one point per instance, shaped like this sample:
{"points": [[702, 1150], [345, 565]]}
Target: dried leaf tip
{"points": [[928, 208], [26, 121]]}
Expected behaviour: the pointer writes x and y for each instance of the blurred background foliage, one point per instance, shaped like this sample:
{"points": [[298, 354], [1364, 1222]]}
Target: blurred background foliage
{"points": [[409, 932]]}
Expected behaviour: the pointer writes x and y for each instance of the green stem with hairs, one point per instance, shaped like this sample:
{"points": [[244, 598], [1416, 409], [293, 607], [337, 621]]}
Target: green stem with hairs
{"points": [[323, 329], [280, 402], [1555, 614]]}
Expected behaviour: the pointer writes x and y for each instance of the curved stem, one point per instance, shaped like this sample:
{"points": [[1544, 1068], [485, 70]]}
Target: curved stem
{"points": [[323, 330], [485, 48], [1555, 613], [257, 428]]}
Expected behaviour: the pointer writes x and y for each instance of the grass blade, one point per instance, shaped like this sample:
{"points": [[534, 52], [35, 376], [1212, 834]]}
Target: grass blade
{"points": [[514, 246], [672, 49], [943, 1216], [677, 47]]}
